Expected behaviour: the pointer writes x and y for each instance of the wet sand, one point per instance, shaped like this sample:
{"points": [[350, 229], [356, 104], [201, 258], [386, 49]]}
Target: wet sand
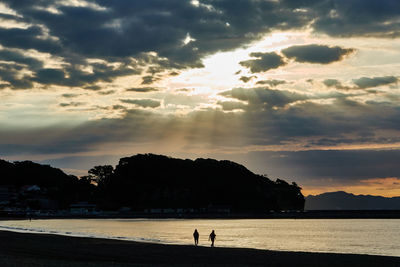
{"points": [[22, 249]]}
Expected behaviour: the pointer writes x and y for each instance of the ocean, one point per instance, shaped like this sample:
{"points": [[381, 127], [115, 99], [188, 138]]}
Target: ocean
{"points": [[356, 236]]}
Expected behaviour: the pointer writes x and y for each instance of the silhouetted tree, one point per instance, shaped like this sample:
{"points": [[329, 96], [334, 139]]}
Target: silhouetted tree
{"points": [[99, 174]]}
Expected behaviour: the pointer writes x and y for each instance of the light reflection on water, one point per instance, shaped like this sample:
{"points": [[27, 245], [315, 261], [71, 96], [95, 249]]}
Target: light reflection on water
{"points": [[360, 236]]}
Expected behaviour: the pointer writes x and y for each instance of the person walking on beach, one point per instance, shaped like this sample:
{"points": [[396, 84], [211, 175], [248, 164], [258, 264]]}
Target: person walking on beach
{"points": [[212, 237], [196, 237]]}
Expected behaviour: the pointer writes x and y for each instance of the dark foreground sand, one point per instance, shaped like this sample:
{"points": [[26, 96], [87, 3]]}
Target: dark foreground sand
{"points": [[17, 249]]}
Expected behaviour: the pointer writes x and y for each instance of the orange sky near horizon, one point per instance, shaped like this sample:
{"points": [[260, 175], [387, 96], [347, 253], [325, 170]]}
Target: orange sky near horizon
{"points": [[387, 187]]}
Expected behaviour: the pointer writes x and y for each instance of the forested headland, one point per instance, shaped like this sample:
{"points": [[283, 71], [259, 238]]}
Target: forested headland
{"points": [[146, 182]]}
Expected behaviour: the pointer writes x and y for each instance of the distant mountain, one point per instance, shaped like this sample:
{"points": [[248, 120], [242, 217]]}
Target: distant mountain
{"points": [[346, 201]]}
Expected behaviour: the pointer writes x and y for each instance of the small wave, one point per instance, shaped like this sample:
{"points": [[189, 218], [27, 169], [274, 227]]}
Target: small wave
{"points": [[19, 229]]}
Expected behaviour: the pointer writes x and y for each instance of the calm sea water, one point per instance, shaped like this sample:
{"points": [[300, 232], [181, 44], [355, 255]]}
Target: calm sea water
{"points": [[360, 236]]}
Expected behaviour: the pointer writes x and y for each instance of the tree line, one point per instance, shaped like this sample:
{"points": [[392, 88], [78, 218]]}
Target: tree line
{"points": [[146, 181]]}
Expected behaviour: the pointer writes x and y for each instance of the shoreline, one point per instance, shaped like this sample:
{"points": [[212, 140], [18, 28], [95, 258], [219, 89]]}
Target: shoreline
{"points": [[148, 241], [309, 214], [31, 249]]}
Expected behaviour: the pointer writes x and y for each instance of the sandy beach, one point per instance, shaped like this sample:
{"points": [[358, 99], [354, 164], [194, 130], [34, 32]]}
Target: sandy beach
{"points": [[22, 249]]}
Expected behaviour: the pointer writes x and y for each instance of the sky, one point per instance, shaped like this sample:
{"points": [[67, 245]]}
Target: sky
{"points": [[301, 90]]}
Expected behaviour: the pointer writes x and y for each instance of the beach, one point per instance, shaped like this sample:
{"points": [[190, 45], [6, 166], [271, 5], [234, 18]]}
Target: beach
{"points": [[25, 249]]}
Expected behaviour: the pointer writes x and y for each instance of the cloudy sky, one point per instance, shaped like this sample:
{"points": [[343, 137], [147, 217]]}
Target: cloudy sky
{"points": [[302, 90]]}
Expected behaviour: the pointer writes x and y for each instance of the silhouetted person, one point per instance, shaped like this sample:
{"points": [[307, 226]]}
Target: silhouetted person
{"points": [[212, 237], [196, 237]]}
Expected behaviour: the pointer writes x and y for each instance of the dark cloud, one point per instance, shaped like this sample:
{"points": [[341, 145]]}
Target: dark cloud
{"points": [[365, 82], [302, 53], [50, 76], [92, 87], [245, 79], [28, 39], [142, 89], [272, 83], [340, 164], [119, 107], [145, 103], [109, 92], [173, 73], [332, 83], [358, 18], [68, 76], [327, 122], [314, 53], [149, 79], [70, 95], [11, 75], [264, 62], [72, 104], [337, 84], [16, 57], [150, 34], [323, 167], [362, 83], [76, 77]]}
